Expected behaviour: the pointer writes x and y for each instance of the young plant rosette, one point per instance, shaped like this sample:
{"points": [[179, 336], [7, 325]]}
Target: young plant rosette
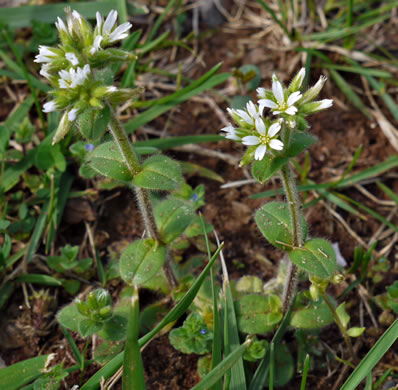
{"points": [[272, 141]]}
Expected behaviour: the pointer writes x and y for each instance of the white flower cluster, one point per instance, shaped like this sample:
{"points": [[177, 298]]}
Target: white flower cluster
{"points": [[70, 67], [290, 104]]}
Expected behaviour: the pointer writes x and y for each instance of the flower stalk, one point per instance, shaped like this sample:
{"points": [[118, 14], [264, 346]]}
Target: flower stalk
{"points": [[293, 202], [143, 198]]}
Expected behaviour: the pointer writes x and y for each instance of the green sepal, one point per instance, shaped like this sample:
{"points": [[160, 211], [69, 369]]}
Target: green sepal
{"points": [[273, 220], [107, 160], [317, 257], [141, 261], [248, 157], [173, 216], [258, 313], [263, 170], [159, 173], [300, 141], [93, 123]]}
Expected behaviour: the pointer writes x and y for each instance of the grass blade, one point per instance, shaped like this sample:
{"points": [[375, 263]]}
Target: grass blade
{"points": [[23, 16], [19, 374], [389, 192], [133, 369], [237, 375], [20, 113], [72, 345], [216, 373], [273, 16], [172, 142], [207, 81], [306, 367], [216, 355], [367, 364], [271, 366]]}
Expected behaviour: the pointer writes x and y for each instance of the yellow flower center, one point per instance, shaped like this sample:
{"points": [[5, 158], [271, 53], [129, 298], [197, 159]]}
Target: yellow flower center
{"points": [[264, 139]]}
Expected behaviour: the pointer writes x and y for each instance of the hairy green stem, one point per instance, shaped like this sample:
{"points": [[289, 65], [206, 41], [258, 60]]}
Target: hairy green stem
{"points": [[293, 202], [144, 201], [341, 327]]}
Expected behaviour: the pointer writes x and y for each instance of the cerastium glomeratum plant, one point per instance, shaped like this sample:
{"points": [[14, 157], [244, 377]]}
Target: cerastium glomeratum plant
{"points": [[275, 130], [79, 70]]}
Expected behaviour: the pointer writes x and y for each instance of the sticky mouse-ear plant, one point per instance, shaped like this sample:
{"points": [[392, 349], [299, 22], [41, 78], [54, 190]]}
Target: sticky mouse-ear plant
{"points": [[272, 141], [79, 70]]}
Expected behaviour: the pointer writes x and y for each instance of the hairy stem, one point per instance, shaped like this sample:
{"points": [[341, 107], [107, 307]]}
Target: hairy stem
{"points": [[144, 201], [341, 327], [293, 202]]}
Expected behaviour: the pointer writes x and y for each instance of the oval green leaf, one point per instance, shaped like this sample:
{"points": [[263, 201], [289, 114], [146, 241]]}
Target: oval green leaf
{"points": [[107, 160], [317, 257], [299, 142], [93, 123], [141, 261], [263, 170], [258, 313], [159, 173], [173, 216], [314, 315], [273, 220]]}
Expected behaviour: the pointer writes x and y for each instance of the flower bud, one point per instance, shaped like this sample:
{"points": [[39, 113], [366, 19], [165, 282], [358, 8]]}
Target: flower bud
{"points": [[124, 94], [311, 108], [297, 81], [82, 307], [63, 127], [337, 279], [314, 91]]}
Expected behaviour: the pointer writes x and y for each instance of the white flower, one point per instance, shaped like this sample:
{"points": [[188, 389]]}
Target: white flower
{"points": [[46, 54], [279, 104], [44, 71], [60, 25], [74, 78], [103, 31], [314, 91], [71, 57], [325, 103], [248, 116], [72, 114], [297, 81], [265, 139], [230, 133], [50, 106]]}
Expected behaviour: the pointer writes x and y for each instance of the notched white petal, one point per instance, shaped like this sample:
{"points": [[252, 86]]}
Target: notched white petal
{"points": [[49, 107], [274, 129], [260, 152], [267, 103], [293, 98], [291, 110], [277, 89], [260, 126], [250, 140], [276, 144]]}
